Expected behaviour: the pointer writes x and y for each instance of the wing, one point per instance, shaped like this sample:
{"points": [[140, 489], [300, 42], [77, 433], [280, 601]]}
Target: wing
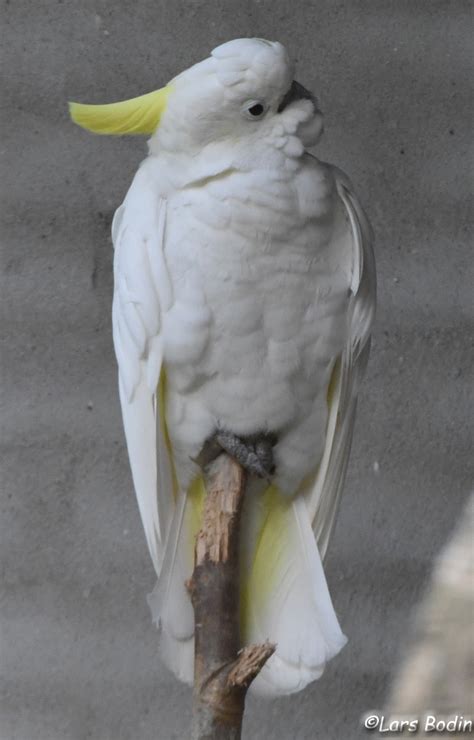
{"points": [[323, 495], [142, 293]]}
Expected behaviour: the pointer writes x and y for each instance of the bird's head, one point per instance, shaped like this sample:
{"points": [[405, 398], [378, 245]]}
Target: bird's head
{"points": [[244, 89]]}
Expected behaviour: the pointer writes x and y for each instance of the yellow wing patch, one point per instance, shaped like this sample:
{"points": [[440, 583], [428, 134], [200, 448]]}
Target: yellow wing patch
{"points": [[194, 506], [161, 403], [135, 116]]}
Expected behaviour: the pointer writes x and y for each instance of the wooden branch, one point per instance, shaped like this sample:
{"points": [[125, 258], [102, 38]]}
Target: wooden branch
{"points": [[222, 672]]}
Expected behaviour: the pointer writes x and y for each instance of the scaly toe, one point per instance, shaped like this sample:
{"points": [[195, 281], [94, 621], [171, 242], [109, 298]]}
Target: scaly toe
{"points": [[255, 453]]}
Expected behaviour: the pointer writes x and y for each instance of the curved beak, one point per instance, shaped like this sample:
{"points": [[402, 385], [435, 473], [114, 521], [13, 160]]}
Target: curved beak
{"points": [[297, 92]]}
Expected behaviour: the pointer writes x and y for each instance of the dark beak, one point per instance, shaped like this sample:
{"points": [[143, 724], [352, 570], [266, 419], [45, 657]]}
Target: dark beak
{"points": [[297, 92]]}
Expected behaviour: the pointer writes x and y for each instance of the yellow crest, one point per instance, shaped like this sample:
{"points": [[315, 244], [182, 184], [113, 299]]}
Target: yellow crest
{"points": [[135, 116]]}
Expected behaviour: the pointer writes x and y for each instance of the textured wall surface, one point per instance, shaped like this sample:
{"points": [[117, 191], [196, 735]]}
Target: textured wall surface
{"points": [[79, 652]]}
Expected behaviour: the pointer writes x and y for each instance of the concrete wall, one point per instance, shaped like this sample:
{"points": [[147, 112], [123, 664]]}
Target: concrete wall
{"points": [[79, 652]]}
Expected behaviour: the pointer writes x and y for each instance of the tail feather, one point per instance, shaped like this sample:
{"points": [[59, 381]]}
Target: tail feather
{"points": [[169, 602], [284, 594], [287, 600]]}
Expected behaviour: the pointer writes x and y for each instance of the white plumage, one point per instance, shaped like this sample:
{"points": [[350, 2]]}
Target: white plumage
{"points": [[244, 298]]}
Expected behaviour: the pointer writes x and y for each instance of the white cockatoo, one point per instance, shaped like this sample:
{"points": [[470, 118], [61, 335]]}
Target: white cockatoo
{"points": [[243, 304]]}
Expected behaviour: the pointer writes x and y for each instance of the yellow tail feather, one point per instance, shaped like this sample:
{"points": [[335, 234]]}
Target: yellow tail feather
{"points": [[258, 584], [135, 116]]}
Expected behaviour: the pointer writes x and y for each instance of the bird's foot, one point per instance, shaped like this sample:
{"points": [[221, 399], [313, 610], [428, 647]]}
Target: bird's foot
{"points": [[254, 453]]}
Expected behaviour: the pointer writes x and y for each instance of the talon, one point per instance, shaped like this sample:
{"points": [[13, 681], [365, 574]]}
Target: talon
{"points": [[264, 451], [254, 453]]}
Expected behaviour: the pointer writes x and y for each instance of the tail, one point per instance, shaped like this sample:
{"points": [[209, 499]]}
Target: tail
{"points": [[284, 594], [286, 598], [170, 602]]}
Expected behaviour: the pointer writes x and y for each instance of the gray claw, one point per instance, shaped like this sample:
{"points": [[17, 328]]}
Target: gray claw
{"points": [[254, 453]]}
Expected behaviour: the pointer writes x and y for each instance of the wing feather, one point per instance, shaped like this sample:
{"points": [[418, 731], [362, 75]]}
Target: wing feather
{"points": [[323, 493], [142, 291]]}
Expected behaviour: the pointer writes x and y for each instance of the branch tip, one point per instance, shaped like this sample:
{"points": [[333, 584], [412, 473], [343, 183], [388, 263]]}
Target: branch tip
{"points": [[249, 663]]}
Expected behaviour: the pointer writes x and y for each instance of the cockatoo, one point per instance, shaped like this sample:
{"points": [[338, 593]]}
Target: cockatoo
{"points": [[243, 304]]}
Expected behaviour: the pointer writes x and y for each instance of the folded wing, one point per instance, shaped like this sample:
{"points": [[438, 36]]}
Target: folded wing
{"points": [[323, 494], [142, 293]]}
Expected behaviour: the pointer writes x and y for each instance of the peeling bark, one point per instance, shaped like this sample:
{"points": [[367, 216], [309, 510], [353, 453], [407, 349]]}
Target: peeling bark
{"points": [[222, 671]]}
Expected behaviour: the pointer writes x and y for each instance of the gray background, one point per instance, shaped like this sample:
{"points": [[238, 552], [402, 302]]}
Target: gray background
{"points": [[79, 652]]}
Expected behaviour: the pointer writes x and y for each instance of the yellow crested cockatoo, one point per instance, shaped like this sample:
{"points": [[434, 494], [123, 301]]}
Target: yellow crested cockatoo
{"points": [[243, 303]]}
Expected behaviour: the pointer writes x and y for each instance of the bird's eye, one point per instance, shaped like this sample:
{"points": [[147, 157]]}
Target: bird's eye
{"points": [[253, 109], [256, 110]]}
